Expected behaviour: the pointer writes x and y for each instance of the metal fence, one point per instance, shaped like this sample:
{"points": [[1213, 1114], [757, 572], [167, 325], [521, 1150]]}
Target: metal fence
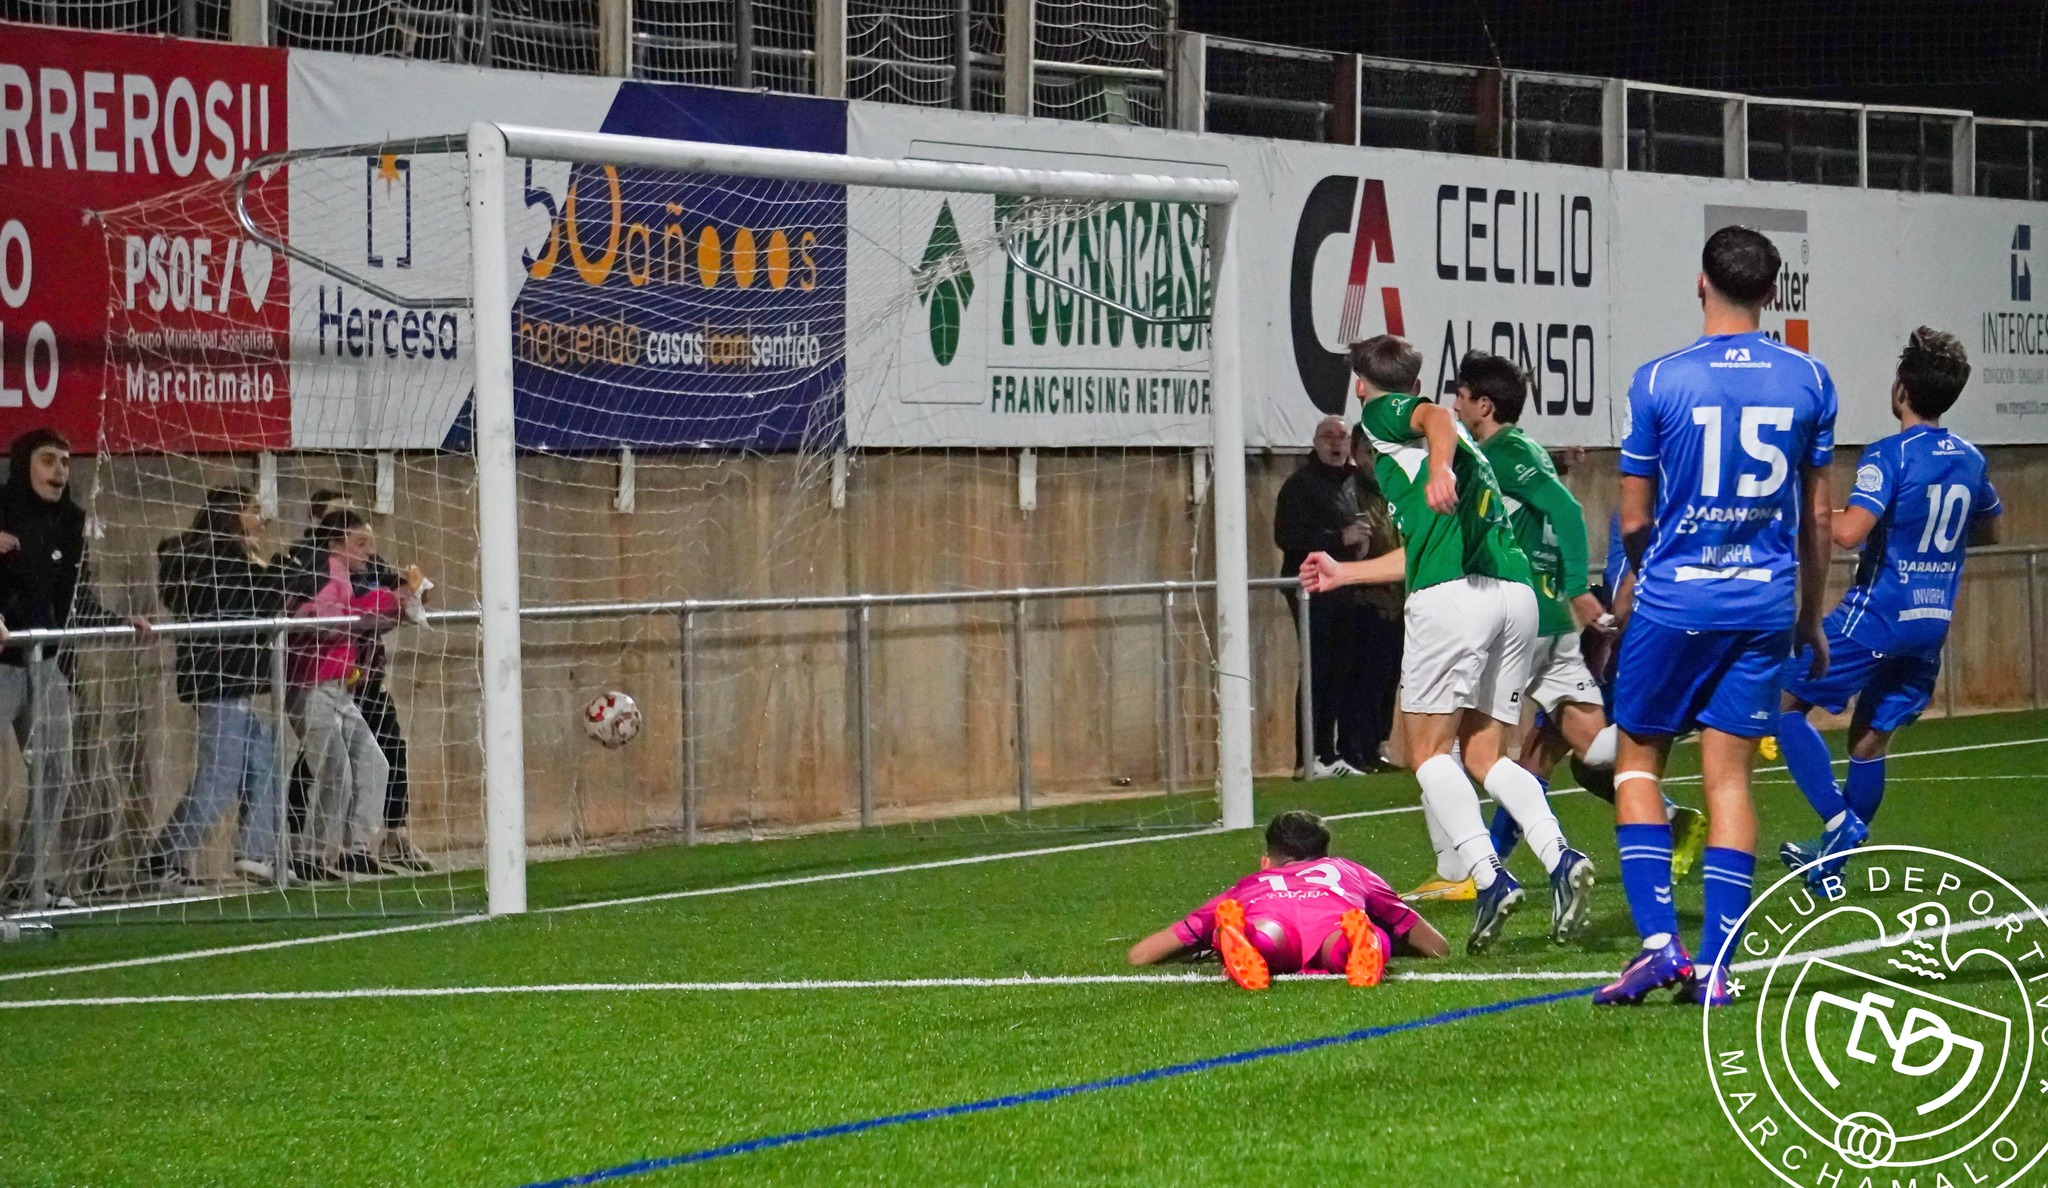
{"points": [[1127, 62], [691, 615]]}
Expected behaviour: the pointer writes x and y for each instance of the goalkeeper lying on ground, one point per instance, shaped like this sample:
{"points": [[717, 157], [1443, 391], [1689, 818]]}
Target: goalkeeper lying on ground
{"points": [[1304, 911]]}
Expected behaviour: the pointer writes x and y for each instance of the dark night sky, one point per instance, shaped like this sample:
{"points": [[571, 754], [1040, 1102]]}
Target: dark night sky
{"points": [[1982, 55]]}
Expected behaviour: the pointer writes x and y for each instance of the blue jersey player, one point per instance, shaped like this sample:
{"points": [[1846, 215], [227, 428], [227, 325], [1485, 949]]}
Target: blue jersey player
{"points": [[1921, 496], [1725, 517]]}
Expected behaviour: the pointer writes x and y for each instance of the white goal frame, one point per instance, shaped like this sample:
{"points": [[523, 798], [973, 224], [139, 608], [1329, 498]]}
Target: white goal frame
{"points": [[491, 145]]}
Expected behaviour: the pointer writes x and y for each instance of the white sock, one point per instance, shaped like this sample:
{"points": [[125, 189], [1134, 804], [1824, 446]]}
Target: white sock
{"points": [[1448, 795], [1835, 822], [1510, 784], [1600, 752], [1449, 867], [1656, 940]]}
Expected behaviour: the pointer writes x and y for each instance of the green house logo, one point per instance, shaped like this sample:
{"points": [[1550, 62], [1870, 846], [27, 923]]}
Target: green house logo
{"points": [[945, 283]]}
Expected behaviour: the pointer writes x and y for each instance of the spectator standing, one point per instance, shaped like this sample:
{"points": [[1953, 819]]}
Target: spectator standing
{"points": [[212, 572], [45, 582], [1379, 633], [372, 697], [1317, 512], [347, 769]]}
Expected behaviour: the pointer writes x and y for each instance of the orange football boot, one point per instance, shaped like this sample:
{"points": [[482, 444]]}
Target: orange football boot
{"points": [[1245, 964], [1368, 961]]}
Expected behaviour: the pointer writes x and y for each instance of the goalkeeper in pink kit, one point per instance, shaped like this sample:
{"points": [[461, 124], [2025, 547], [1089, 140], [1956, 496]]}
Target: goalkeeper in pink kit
{"points": [[1304, 911]]}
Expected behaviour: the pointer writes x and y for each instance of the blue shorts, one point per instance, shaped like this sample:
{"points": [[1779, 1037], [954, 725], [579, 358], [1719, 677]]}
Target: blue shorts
{"points": [[1892, 687], [1670, 680]]}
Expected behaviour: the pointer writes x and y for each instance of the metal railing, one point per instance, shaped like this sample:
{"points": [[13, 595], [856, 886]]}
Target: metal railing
{"points": [[690, 615]]}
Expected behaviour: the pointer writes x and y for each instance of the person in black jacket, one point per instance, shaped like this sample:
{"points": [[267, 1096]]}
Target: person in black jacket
{"points": [[45, 582], [216, 571], [1318, 512]]}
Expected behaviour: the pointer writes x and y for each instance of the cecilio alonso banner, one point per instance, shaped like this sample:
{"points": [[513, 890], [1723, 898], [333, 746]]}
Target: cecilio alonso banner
{"points": [[675, 311]]}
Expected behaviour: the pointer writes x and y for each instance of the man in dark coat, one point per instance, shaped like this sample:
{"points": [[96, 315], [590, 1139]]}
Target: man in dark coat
{"points": [[1318, 511]]}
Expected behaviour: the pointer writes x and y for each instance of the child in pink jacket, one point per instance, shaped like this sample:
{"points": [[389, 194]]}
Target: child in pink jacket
{"points": [[345, 802]]}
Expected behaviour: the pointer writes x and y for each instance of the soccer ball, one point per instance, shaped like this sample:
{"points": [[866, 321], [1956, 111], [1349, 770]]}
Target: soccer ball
{"points": [[612, 719]]}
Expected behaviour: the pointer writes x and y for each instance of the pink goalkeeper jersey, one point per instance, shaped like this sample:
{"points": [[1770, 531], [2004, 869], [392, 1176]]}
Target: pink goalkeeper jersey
{"points": [[1309, 898]]}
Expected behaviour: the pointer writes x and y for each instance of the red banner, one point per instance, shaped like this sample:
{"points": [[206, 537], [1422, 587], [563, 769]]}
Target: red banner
{"points": [[92, 123]]}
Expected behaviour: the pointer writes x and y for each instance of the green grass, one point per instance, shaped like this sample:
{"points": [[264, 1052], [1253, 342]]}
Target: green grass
{"points": [[508, 1089]]}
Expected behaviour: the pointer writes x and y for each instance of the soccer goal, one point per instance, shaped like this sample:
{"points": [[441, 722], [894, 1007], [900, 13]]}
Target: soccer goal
{"points": [[711, 426]]}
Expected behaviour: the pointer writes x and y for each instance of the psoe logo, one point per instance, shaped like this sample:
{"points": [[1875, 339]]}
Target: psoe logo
{"points": [[1889, 1037]]}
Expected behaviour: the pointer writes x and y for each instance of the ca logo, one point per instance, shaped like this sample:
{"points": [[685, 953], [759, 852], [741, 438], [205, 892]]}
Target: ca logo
{"points": [[1892, 1036]]}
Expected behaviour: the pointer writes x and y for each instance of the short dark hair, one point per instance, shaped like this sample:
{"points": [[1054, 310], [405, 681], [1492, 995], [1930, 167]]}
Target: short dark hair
{"points": [[1297, 834], [1497, 378], [221, 515], [335, 525], [1933, 369], [1742, 264], [323, 500], [1388, 363]]}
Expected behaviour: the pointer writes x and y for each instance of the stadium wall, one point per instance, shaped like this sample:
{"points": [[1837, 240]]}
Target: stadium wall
{"points": [[1341, 241], [945, 670]]}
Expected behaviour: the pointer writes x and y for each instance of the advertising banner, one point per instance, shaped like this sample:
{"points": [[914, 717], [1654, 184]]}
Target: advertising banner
{"points": [[1454, 254], [1335, 244], [959, 339], [1579, 275], [668, 311], [653, 309], [1861, 270], [92, 122]]}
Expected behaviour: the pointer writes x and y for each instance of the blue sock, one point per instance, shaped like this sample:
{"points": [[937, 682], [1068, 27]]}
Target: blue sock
{"points": [[1727, 875], [1646, 876], [1806, 757], [1505, 832], [1866, 787]]}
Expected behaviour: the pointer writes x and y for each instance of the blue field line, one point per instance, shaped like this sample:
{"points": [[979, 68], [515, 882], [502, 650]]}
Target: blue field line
{"points": [[770, 1142]]}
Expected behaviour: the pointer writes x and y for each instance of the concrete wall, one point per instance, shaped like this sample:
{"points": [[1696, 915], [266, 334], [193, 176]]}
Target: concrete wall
{"points": [[773, 693]]}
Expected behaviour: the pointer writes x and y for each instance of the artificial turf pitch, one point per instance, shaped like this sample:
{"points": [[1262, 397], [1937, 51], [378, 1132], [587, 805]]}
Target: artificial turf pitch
{"points": [[542, 1085]]}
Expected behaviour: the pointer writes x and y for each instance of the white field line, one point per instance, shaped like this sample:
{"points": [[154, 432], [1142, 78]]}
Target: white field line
{"points": [[1139, 979], [769, 884], [227, 950], [1144, 979], [1566, 790]]}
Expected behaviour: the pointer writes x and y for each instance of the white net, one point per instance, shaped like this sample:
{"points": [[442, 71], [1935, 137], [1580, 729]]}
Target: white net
{"points": [[818, 635]]}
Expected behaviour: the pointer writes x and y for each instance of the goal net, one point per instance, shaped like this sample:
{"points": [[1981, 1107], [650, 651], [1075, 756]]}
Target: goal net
{"points": [[734, 449]]}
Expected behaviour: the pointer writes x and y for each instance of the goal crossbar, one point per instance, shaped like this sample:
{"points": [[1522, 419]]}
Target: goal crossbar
{"points": [[491, 145]]}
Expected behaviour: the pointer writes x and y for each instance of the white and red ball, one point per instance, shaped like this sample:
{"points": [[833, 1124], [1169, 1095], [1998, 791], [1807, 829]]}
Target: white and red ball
{"points": [[612, 719]]}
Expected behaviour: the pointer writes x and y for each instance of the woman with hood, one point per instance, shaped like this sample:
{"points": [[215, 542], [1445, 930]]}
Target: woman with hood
{"points": [[46, 583], [345, 809], [216, 571]]}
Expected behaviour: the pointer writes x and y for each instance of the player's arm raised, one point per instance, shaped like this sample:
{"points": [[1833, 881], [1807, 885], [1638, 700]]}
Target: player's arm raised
{"points": [[1321, 573], [1439, 428]]}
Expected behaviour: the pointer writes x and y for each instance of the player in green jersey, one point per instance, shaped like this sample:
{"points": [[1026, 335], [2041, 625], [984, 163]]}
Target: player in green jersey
{"points": [[1550, 526], [1470, 625]]}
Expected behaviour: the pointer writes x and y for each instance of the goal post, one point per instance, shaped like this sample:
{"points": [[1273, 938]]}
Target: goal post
{"points": [[490, 149]]}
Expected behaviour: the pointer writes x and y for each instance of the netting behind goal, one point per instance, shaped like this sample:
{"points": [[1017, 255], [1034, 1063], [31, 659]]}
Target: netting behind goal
{"points": [[693, 356]]}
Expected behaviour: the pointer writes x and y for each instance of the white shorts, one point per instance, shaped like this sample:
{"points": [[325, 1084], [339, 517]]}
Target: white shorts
{"points": [[1558, 674], [1467, 647]]}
